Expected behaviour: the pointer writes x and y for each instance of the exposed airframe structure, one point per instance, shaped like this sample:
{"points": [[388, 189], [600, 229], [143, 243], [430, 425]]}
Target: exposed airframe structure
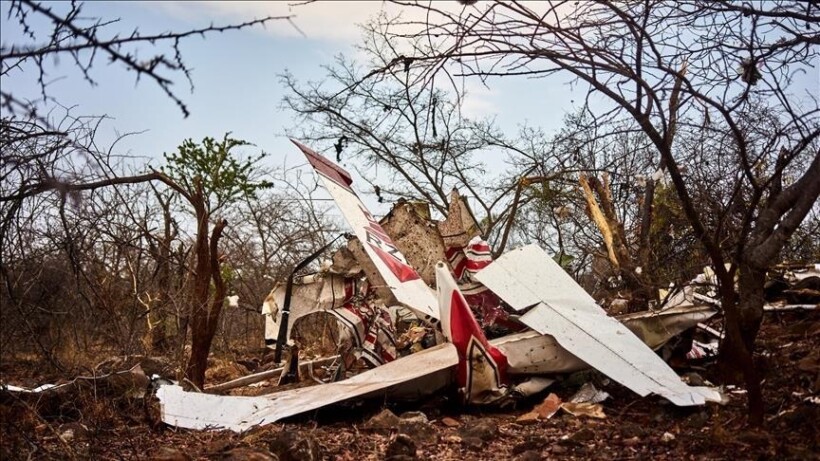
{"points": [[570, 332]]}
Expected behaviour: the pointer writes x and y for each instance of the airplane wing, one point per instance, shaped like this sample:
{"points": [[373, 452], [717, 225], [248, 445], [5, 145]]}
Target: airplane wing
{"points": [[411, 376], [405, 283], [527, 278]]}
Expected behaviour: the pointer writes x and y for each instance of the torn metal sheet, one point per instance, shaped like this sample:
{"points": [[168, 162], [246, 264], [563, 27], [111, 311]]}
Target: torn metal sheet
{"points": [[405, 283], [410, 227], [656, 328], [527, 278], [531, 352], [129, 383], [460, 226], [411, 376], [789, 307], [532, 386], [588, 393], [311, 293]]}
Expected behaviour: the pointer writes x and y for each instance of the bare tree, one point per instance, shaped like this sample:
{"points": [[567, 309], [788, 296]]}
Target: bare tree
{"points": [[408, 140], [41, 156], [672, 68], [84, 41]]}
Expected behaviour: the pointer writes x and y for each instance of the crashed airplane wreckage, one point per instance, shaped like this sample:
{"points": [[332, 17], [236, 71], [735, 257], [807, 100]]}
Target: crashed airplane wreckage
{"points": [[546, 325]]}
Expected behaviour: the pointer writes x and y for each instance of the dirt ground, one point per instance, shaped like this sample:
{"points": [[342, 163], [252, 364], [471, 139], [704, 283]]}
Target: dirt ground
{"points": [[95, 426]]}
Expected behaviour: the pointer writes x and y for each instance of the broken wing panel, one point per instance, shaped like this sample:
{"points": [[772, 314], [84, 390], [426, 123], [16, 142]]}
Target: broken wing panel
{"points": [[612, 349], [531, 353], [403, 280], [564, 311], [544, 279], [421, 371]]}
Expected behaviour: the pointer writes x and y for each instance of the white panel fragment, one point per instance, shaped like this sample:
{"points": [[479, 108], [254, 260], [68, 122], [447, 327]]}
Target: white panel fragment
{"points": [[543, 280], [195, 410], [566, 312]]}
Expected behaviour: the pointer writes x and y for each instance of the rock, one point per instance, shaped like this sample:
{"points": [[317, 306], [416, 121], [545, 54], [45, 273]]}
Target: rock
{"points": [[402, 448], [421, 433], [483, 429], [248, 454], [414, 417], [632, 441], [72, 431], [618, 306], [558, 449], [697, 420], [170, 454], [451, 439], [629, 430], [667, 437], [531, 455], [584, 435], [289, 446], [450, 422], [473, 443], [532, 443], [386, 420]]}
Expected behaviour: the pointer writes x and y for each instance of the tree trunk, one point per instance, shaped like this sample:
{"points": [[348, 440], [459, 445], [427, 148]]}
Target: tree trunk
{"points": [[743, 315], [160, 330], [598, 196], [750, 306], [207, 307]]}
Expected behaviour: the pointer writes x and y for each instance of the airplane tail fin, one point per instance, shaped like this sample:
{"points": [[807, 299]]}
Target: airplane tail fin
{"points": [[482, 368]]}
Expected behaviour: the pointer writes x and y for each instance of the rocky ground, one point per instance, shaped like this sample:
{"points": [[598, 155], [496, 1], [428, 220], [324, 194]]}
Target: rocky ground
{"points": [[105, 427]]}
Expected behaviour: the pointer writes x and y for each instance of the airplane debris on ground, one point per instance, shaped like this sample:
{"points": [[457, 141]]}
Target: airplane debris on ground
{"points": [[495, 330]]}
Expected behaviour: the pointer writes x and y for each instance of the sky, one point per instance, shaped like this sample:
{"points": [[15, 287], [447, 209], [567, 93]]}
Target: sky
{"points": [[235, 76]]}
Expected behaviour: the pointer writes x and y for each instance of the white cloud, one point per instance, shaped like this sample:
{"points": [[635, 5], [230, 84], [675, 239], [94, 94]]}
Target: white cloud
{"points": [[322, 20], [325, 20]]}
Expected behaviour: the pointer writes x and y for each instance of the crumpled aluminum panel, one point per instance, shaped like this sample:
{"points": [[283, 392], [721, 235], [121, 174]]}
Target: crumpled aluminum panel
{"points": [[528, 277], [423, 372]]}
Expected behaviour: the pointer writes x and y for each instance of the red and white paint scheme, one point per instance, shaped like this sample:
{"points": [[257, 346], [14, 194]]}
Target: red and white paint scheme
{"points": [[482, 368], [405, 283]]}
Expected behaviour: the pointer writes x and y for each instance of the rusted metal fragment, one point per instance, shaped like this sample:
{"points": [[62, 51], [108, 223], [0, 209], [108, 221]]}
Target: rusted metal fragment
{"points": [[416, 236], [345, 263], [459, 227], [377, 283]]}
